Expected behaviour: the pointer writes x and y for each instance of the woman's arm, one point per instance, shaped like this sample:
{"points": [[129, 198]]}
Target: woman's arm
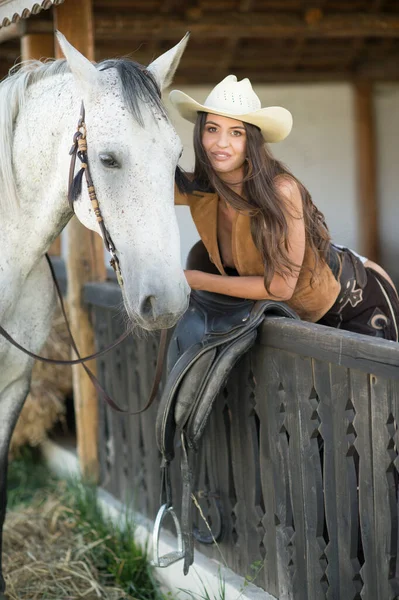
{"points": [[240, 287], [284, 286], [281, 288]]}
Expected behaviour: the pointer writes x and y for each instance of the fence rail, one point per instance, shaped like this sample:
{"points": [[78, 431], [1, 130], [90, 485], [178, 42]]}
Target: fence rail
{"points": [[300, 455]]}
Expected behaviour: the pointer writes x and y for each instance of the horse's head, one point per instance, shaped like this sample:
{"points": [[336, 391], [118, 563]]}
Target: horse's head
{"points": [[133, 152]]}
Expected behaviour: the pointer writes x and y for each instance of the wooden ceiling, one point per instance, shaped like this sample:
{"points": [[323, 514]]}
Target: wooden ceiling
{"points": [[266, 40]]}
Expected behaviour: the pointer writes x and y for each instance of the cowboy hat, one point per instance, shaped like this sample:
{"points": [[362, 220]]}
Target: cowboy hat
{"points": [[237, 100]]}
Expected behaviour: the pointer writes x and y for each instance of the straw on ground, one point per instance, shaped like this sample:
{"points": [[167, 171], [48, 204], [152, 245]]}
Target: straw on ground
{"points": [[47, 557]]}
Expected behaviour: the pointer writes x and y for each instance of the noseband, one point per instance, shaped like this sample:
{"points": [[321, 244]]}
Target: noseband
{"points": [[79, 149]]}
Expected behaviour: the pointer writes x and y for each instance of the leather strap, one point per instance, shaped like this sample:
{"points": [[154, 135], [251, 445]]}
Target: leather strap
{"points": [[79, 149], [94, 380], [186, 506]]}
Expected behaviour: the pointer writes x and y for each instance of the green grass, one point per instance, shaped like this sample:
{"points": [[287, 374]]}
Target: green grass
{"points": [[111, 547], [26, 476], [119, 559], [205, 595]]}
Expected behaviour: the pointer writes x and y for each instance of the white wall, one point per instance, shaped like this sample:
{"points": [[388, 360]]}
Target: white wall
{"points": [[387, 135], [319, 151]]}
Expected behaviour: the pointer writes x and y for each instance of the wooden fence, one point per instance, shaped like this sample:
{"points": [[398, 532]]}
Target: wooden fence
{"points": [[300, 455]]}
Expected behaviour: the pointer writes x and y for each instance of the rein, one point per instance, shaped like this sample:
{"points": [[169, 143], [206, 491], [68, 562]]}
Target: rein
{"points": [[79, 149]]}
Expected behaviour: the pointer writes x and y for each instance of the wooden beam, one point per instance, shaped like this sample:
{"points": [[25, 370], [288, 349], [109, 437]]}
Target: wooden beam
{"points": [[355, 55], [185, 76], [245, 5], [377, 5], [167, 6], [85, 262], [366, 170], [25, 26], [12, 32], [224, 63], [37, 46], [384, 69], [249, 25]]}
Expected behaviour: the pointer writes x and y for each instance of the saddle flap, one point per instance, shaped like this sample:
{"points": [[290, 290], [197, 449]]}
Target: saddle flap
{"points": [[216, 378], [191, 386], [165, 426]]}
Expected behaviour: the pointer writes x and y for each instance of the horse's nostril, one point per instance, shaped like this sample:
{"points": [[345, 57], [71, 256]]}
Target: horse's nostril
{"points": [[148, 307]]}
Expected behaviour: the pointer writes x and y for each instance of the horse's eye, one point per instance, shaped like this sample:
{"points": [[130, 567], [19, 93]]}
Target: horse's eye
{"points": [[109, 161]]}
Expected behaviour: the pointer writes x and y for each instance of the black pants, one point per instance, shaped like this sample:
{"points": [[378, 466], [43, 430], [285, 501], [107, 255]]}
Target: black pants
{"points": [[367, 303]]}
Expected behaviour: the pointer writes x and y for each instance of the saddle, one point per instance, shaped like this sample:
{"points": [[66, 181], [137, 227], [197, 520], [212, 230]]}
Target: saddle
{"points": [[207, 342]]}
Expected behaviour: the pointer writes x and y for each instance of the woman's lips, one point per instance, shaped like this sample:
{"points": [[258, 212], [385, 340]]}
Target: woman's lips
{"points": [[221, 155]]}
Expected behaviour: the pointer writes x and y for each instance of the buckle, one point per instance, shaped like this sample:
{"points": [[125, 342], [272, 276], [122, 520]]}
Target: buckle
{"points": [[175, 555]]}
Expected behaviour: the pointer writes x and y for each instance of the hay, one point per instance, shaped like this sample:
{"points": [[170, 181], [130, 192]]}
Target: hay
{"points": [[46, 558], [45, 404]]}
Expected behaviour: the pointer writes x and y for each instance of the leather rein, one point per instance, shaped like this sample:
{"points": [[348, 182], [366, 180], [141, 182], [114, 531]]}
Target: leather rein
{"points": [[79, 149]]}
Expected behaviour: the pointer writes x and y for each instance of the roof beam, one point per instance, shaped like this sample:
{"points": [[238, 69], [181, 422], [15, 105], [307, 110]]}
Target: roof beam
{"points": [[15, 31], [247, 25], [245, 5], [227, 55], [12, 32], [377, 5], [283, 74]]}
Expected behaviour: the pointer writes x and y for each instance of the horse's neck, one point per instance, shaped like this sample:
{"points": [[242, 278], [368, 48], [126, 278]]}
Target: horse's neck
{"points": [[40, 158]]}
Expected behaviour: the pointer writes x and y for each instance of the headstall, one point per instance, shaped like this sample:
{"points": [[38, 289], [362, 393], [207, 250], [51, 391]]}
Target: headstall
{"points": [[79, 149]]}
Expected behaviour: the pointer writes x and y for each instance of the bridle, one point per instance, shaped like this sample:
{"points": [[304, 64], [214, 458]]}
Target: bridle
{"points": [[79, 149]]}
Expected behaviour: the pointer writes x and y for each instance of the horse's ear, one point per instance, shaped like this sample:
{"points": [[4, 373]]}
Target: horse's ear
{"points": [[163, 68], [83, 70]]}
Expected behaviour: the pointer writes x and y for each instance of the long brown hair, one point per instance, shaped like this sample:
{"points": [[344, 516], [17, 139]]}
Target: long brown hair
{"points": [[262, 202]]}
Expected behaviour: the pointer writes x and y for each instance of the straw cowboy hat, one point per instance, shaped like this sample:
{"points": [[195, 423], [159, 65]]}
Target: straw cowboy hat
{"points": [[237, 100]]}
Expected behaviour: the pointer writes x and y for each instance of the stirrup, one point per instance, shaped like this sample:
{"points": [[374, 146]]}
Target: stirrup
{"points": [[175, 555]]}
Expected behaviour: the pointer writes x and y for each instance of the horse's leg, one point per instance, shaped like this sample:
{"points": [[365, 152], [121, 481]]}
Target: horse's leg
{"points": [[12, 399]]}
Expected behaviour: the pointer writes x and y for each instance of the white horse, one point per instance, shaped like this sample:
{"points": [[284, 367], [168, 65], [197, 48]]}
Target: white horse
{"points": [[133, 152]]}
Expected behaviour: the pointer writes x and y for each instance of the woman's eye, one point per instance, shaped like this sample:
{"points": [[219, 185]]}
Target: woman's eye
{"points": [[109, 161], [211, 129], [237, 133]]}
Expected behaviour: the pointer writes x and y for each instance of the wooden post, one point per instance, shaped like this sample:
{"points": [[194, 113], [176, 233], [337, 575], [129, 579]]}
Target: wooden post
{"points": [[85, 262], [366, 170], [37, 46]]}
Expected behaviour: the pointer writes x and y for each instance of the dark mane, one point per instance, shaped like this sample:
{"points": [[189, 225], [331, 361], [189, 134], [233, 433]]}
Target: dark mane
{"points": [[138, 86]]}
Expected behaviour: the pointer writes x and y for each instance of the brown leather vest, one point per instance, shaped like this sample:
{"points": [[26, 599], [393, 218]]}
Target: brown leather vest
{"points": [[316, 290]]}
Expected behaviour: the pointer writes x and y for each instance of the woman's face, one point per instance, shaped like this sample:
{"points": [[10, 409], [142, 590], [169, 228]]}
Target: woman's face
{"points": [[224, 141]]}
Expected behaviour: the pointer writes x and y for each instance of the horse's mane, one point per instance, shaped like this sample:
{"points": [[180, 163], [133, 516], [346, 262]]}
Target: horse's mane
{"points": [[138, 87]]}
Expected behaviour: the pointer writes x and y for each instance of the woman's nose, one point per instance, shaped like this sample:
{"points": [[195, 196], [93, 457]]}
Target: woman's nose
{"points": [[223, 141]]}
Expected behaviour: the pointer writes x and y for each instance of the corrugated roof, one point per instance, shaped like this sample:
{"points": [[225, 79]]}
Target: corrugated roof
{"points": [[11, 11]]}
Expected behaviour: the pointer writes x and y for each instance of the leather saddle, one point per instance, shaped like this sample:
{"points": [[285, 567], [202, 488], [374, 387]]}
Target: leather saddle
{"points": [[207, 342]]}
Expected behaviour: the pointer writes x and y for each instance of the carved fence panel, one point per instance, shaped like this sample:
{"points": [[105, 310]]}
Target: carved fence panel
{"points": [[300, 456]]}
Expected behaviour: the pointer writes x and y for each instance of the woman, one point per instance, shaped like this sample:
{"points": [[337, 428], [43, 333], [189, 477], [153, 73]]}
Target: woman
{"points": [[259, 226]]}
